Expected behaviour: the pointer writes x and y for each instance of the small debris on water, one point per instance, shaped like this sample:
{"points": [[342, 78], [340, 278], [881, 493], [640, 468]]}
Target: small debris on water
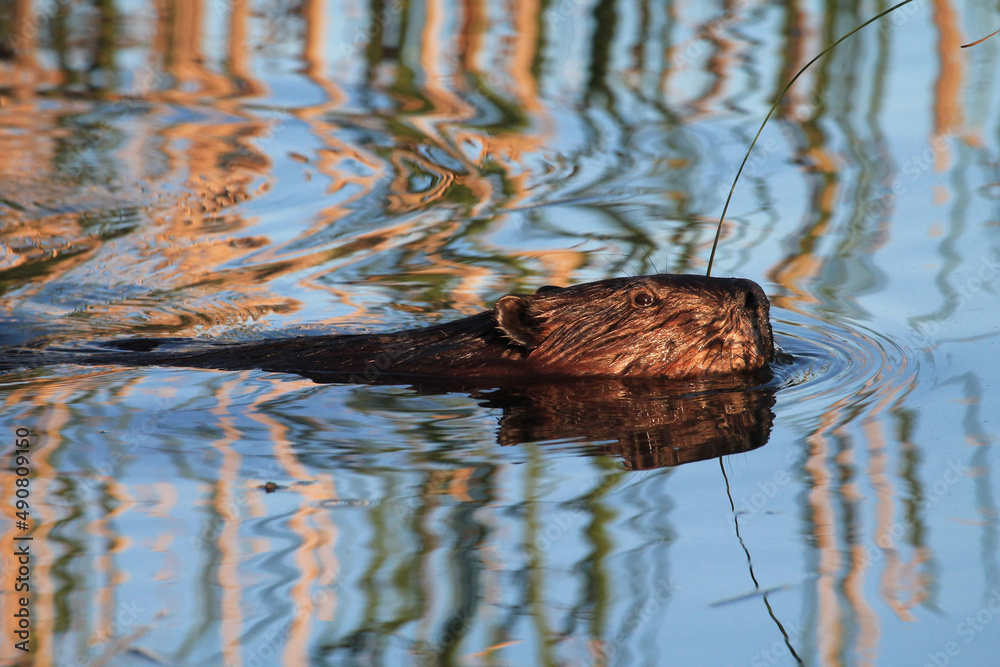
{"points": [[271, 487]]}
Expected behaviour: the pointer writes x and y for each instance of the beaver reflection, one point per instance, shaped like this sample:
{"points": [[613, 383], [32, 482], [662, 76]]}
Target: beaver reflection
{"points": [[648, 423], [651, 424]]}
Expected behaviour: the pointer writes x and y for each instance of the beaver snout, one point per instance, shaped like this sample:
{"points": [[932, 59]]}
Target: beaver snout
{"points": [[748, 294], [752, 299], [748, 297]]}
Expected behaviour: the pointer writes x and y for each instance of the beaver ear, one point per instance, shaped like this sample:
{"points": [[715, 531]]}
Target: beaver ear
{"points": [[515, 321]]}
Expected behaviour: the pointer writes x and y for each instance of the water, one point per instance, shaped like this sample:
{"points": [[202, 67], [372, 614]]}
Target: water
{"points": [[247, 169]]}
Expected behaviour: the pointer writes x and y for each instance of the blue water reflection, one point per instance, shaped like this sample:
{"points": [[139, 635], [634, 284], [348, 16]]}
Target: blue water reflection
{"points": [[245, 169]]}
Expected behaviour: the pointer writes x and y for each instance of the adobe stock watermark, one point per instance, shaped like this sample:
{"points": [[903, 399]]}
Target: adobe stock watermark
{"points": [[265, 651], [753, 504], [777, 651], [966, 632], [636, 618], [555, 527], [34, 24], [986, 276], [875, 548], [767, 147], [912, 169], [453, 631], [103, 645], [562, 12], [901, 16], [694, 47], [232, 511], [372, 29], [394, 349], [764, 491], [141, 431], [86, 138]]}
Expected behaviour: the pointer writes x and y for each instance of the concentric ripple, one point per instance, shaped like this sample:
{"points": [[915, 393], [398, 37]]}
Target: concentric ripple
{"points": [[838, 362]]}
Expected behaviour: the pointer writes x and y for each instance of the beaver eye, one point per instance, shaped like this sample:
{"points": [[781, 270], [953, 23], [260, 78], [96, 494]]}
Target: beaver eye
{"points": [[643, 299]]}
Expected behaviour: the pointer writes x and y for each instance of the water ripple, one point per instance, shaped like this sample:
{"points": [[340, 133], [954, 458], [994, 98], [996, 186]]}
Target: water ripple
{"points": [[840, 363]]}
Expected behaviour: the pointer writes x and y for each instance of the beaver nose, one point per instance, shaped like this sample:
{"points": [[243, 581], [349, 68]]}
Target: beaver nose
{"points": [[748, 294], [747, 297]]}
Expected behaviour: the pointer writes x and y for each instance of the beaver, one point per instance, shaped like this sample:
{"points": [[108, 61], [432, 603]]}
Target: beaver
{"points": [[655, 326]]}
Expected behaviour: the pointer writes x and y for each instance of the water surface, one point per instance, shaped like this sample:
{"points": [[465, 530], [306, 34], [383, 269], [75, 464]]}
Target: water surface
{"points": [[251, 169]]}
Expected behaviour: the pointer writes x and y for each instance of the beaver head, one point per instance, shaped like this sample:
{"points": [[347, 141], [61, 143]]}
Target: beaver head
{"points": [[679, 326]]}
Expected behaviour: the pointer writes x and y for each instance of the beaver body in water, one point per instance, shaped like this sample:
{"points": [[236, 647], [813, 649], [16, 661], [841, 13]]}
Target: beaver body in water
{"points": [[657, 326]]}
